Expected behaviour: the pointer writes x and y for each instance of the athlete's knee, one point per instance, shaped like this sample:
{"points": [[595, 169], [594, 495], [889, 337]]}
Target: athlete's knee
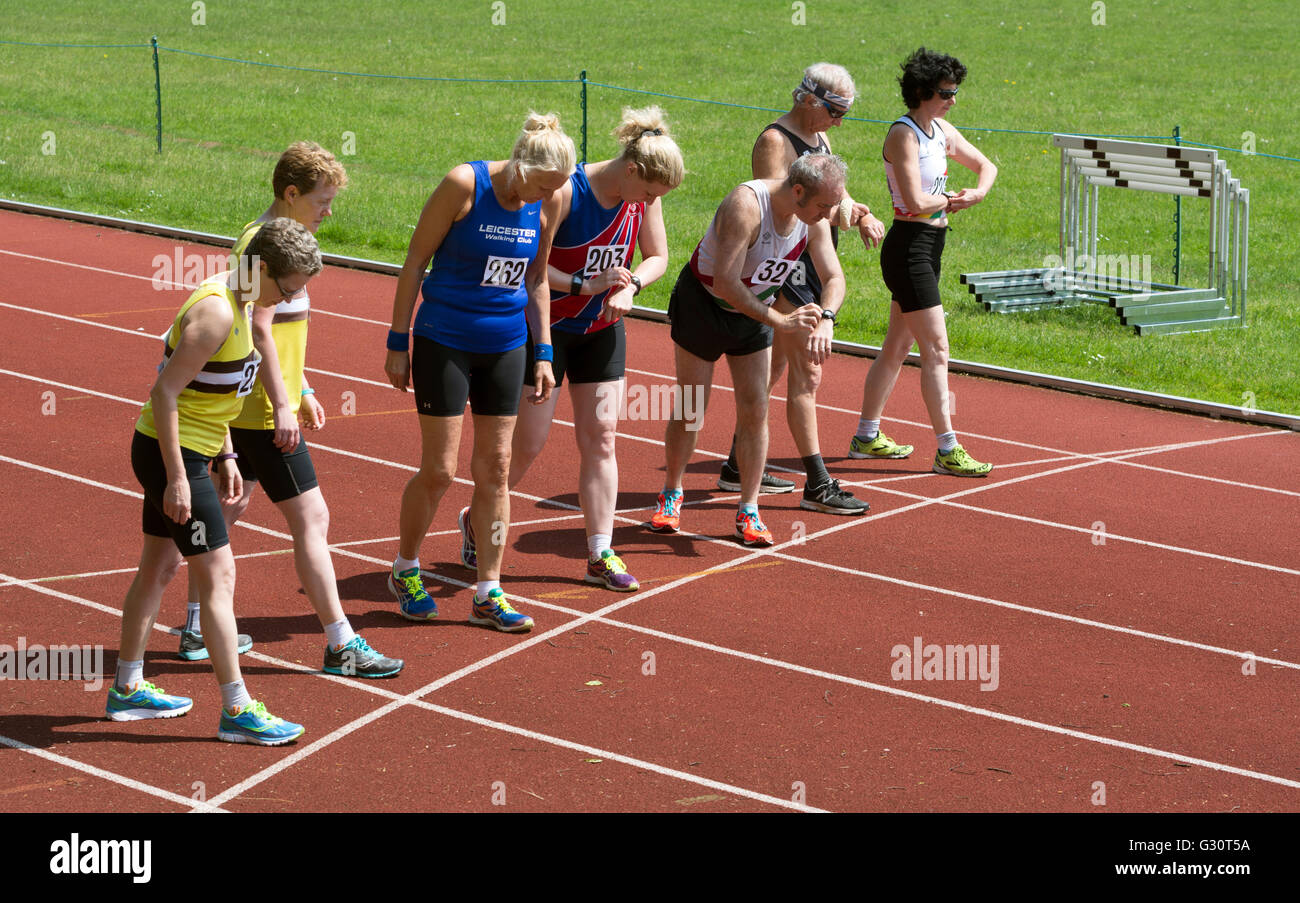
{"points": [[935, 351], [492, 467], [434, 479]]}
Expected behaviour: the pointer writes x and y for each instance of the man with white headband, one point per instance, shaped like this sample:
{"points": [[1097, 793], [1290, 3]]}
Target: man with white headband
{"points": [[821, 101]]}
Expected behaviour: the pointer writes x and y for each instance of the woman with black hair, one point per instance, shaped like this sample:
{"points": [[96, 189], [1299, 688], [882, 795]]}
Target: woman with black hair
{"points": [[916, 154]]}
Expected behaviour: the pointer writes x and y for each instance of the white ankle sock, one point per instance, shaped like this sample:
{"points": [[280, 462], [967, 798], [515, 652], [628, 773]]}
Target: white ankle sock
{"points": [[485, 587], [235, 695], [128, 674], [947, 442], [597, 543], [339, 634], [401, 564], [867, 429]]}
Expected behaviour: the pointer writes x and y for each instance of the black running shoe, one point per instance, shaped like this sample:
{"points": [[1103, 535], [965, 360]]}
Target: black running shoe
{"points": [[831, 499], [729, 481]]}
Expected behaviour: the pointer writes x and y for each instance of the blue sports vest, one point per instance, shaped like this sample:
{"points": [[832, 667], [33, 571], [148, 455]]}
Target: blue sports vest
{"points": [[474, 295]]}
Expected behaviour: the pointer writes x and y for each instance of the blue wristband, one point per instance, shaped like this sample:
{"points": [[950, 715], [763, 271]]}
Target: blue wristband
{"points": [[399, 341], [543, 352], [308, 391]]}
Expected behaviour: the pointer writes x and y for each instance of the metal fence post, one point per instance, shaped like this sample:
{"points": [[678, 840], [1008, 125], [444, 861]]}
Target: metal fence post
{"points": [[583, 79], [157, 90], [1178, 223]]}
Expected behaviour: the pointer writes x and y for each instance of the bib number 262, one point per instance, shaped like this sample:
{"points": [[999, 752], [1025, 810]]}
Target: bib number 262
{"points": [[504, 272]]}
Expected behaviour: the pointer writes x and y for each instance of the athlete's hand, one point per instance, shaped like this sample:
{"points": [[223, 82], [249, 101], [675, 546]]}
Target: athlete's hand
{"points": [[805, 319], [543, 382], [617, 303], [398, 368], [819, 341], [967, 197], [287, 435], [176, 499], [230, 482], [614, 276], [312, 412], [872, 230]]}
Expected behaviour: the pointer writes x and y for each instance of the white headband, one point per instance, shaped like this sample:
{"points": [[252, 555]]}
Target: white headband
{"points": [[811, 87]]}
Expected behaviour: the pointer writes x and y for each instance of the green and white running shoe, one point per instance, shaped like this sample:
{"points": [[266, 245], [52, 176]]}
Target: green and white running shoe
{"points": [[881, 446], [960, 464]]}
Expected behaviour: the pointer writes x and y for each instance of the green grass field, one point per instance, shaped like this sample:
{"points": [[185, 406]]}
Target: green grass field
{"points": [[77, 130]]}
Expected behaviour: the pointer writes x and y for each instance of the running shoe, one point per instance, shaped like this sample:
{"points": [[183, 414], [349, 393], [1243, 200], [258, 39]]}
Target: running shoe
{"points": [[254, 724], [145, 701], [413, 603], [496, 612], [879, 447], [194, 650], [959, 464], [750, 530], [831, 499], [668, 513], [468, 550], [729, 481], [609, 570], [357, 659]]}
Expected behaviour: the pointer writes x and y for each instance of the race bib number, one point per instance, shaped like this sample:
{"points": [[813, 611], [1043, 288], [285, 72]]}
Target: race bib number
{"points": [[600, 258], [773, 271], [247, 379], [504, 272]]}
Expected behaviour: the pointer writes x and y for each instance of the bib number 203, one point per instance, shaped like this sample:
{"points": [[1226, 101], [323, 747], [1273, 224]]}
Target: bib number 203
{"points": [[504, 272]]}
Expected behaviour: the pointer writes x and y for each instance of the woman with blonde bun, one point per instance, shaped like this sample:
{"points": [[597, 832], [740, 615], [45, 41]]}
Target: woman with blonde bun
{"points": [[607, 210], [487, 228]]}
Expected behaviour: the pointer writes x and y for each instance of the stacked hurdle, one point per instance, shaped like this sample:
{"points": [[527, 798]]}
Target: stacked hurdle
{"points": [[1080, 276]]}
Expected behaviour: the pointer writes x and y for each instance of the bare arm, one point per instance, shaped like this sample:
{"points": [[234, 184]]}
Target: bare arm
{"points": [[287, 434], [831, 274], [969, 156], [204, 329], [451, 201], [538, 311]]}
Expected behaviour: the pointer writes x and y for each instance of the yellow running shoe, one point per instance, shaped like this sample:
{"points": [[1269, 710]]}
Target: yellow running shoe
{"points": [[959, 464]]}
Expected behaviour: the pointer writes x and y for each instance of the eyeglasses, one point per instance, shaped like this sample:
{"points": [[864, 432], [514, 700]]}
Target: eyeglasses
{"points": [[834, 112], [284, 294], [946, 93]]}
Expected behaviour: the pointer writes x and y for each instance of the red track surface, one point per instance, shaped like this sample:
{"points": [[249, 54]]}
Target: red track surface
{"points": [[1123, 579]]}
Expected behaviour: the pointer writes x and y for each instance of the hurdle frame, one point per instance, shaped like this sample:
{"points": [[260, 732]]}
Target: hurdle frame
{"points": [[1089, 164]]}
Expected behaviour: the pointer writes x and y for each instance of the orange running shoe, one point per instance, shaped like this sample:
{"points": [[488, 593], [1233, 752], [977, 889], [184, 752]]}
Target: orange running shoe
{"points": [[750, 530], [668, 513]]}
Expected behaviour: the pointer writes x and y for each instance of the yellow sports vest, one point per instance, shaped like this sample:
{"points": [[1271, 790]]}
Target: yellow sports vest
{"points": [[289, 332], [212, 399]]}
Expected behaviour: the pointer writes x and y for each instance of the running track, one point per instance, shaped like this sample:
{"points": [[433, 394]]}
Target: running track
{"points": [[1129, 564]]}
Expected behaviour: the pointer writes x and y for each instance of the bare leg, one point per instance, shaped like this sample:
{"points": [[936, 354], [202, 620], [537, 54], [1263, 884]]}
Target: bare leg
{"points": [[309, 518], [490, 507], [749, 374], [694, 375], [440, 443], [595, 414], [932, 341], [884, 369]]}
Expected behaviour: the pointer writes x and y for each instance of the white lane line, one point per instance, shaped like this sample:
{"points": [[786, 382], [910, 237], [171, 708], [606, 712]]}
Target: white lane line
{"points": [[600, 616], [820, 406], [106, 775], [973, 710], [374, 689]]}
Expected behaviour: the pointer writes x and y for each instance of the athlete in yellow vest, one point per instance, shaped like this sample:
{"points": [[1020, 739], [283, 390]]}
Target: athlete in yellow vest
{"points": [[266, 436], [209, 366]]}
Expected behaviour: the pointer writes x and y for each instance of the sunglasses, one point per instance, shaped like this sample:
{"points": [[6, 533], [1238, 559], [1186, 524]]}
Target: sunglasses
{"points": [[834, 112], [946, 93]]}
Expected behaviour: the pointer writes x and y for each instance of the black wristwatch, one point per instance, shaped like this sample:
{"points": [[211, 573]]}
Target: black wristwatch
{"points": [[575, 284], [828, 314], [636, 280]]}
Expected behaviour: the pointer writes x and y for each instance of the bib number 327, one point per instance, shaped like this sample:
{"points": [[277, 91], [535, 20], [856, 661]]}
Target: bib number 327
{"points": [[504, 272]]}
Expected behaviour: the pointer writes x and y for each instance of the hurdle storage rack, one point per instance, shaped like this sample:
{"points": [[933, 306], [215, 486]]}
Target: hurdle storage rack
{"points": [[1080, 276]]}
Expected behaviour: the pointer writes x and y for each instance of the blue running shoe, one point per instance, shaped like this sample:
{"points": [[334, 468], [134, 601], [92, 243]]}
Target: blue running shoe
{"points": [[357, 659], [413, 602], [145, 701], [254, 724], [496, 612]]}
